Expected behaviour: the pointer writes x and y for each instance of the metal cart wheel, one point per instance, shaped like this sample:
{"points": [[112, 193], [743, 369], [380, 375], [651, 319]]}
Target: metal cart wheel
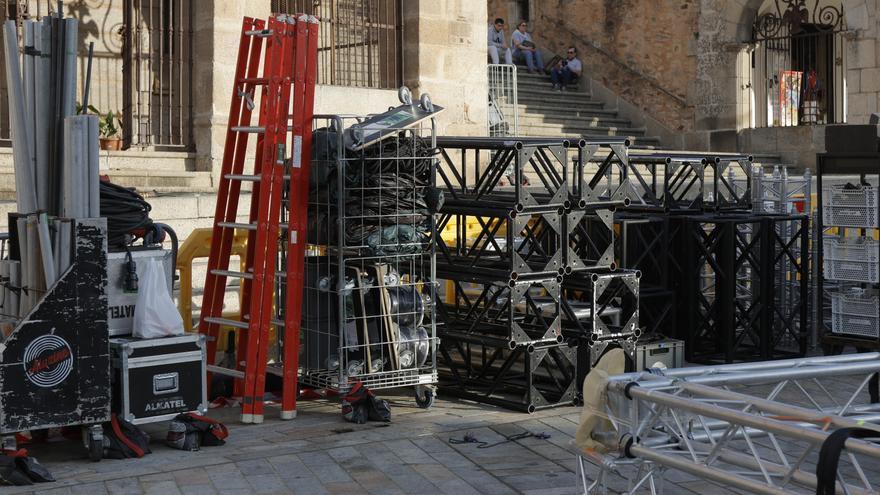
{"points": [[93, 440], [425, 396]]}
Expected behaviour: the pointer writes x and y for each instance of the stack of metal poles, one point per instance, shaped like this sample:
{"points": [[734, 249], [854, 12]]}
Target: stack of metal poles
{"points": [[56, 158]]}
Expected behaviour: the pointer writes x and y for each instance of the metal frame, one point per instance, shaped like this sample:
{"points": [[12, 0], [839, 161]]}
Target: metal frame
{"points": [[855, 164], [732, 424], [729, 286], [359, 276]]}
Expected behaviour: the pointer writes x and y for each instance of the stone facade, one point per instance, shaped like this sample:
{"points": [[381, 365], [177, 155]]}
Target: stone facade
{"points": [[443, 40], [686, 64]]}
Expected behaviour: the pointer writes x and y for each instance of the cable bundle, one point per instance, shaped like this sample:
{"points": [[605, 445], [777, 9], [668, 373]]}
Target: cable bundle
{"points": [[126, 211], [385, 196]]}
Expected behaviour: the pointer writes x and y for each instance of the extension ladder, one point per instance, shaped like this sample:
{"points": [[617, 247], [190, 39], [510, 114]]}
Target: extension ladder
{"points": [[287, 42]]}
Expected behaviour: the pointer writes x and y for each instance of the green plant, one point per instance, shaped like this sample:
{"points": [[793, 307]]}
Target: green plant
{"points": [[109, 125]]}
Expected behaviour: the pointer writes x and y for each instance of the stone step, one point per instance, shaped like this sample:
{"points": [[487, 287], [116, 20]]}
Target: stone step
{"points": [[545, 84], [584, 129], [570, 119], [582, 109], [145, 180], [548, 94], [641, 141]]}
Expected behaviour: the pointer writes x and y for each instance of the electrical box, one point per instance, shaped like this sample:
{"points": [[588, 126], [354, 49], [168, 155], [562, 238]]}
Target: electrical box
{"points": [[157, 379], [120, 301], [669, 352]]}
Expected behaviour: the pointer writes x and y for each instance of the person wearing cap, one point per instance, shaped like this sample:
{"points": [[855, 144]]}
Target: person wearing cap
{"points": [[498, 43]]}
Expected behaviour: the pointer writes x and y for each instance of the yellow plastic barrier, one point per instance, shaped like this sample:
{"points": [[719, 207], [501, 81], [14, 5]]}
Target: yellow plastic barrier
{"points": [[198, 245]]}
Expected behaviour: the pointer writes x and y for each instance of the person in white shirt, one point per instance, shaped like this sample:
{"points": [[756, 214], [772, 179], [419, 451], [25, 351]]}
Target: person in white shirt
{"points": [[525, 48], [566, 71], [498, 43]]}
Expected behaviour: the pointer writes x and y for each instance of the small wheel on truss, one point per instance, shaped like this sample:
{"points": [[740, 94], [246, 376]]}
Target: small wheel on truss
{"points": [[404, 95], [425, 103], [93, 438], [425, 396]]}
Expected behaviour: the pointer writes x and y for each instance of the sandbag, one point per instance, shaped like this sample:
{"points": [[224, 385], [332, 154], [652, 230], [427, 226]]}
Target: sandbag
{"points": [[593, 419]]}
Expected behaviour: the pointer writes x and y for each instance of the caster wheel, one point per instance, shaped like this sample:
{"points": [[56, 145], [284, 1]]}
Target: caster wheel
{"points": [[93, 441], [96, 449], [425, 398]]}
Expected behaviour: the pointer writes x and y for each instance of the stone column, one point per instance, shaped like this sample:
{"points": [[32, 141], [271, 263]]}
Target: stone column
{"points": [[216, 34], [863, 60], [444, 55]]}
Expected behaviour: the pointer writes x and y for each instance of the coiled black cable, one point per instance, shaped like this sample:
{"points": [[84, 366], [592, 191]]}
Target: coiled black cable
{"points": [[126, 211]]}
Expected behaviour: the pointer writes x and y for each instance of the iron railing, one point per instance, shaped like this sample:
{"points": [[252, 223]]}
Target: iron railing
{"points": [[157, 69], [360, 41], [798, 65], [503, 112]]}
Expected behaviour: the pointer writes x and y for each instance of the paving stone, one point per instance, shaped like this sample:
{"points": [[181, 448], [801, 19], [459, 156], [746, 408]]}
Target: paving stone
{"points": [[125, 486], [160, 488], [197, 490], [266, 483]]}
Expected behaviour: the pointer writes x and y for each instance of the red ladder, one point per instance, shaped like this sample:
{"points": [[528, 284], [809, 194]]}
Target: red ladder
{"points": [[278, 89]]}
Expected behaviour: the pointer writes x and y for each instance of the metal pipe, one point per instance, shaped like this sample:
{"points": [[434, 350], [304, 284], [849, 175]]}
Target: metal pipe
{"points": [[46, 250], [706, 472], [730, 373], [25, 188], [743, 419]]}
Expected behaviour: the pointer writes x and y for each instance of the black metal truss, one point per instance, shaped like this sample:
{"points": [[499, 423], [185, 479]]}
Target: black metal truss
{"points": [[500, 246], [472, 170], [523, 379], [730, 181], [591, 241], [520, 314], [613, 296], [729, 305], [652, 181]]}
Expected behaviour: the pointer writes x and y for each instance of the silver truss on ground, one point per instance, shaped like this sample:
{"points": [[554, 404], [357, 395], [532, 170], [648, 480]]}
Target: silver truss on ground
{"points": [[737, 425]]}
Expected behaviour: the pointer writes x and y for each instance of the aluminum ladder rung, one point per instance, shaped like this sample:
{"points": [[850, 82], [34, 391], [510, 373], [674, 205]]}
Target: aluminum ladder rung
{"points": [[261, 33], [237, 225], [225, 371], [227, 322], [253, 80], [246, 226], [249, 129], [231, 273], [250, 178]]}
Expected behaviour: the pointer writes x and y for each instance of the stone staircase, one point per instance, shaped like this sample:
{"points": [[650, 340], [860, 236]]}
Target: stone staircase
{"points": [[545, 112]]}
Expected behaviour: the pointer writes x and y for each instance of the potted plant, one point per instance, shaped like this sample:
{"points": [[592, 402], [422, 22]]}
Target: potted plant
{"points": [[108, 131]]}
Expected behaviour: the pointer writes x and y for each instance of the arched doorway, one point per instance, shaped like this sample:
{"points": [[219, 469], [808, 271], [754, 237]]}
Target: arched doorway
{"points": [[798, 64]]}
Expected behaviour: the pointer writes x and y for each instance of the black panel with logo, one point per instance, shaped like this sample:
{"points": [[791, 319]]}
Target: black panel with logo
{"points": [[154, 380], [55, 366]]}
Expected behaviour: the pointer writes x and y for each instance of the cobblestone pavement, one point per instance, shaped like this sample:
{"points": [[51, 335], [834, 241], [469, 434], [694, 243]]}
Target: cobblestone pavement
{"points": [[320, 453]]}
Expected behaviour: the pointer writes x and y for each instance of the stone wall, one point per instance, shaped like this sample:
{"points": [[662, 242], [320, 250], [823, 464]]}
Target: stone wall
{"points": [[643, 50], [445, 56], [863, 59]]}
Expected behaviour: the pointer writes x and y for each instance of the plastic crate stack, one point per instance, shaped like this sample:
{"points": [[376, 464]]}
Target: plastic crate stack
{"points": [[527, 255], [851, 258]]}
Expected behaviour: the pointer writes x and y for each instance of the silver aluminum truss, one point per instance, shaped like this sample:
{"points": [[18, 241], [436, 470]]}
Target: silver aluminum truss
{"points": [[737, 425]]}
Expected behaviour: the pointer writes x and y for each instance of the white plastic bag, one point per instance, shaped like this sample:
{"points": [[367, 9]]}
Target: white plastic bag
{"points": [[155, 314]]}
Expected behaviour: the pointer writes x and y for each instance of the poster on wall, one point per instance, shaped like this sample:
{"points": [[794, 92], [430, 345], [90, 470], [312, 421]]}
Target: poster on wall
{"points": [[789, 96]]}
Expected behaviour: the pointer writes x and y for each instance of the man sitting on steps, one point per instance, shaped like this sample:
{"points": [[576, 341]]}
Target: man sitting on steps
{"points": [[525, 48], [566, 71], [498, 43]]}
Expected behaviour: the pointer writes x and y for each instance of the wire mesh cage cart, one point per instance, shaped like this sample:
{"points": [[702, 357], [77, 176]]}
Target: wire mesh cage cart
{"points": [[369, 279]]}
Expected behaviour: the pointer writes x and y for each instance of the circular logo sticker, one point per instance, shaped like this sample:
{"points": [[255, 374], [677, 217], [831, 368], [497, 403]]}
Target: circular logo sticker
{"points": [[48, 360]]}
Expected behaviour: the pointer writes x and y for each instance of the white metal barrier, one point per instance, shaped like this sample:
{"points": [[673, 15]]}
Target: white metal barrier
{"points": [[503, 111]]}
